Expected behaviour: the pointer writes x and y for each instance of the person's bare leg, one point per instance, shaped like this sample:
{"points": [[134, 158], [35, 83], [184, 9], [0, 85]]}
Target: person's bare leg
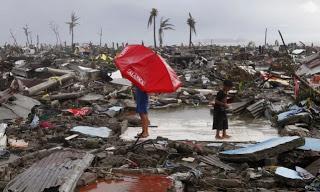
{"points": [[218, 135], [145, 125], [224, 134], [148, 120]]}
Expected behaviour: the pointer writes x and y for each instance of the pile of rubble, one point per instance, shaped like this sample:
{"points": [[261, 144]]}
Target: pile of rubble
{"points": [[62, 114]]}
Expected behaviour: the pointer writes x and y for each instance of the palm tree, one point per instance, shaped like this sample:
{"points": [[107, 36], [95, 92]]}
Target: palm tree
{"points": [[192, 26], [164, 25], [72, 24], [152, 19]]}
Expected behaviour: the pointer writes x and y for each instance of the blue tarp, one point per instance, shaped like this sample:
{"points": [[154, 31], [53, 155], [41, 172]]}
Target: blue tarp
{"points": [[285, 115]]}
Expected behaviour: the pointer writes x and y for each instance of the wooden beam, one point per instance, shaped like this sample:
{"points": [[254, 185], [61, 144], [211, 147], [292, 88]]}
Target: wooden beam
{"points": [[50, 83]]}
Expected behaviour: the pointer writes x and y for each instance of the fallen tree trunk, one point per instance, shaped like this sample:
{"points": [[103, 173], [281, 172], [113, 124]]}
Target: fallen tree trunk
{"points": [[62, 96], [51, 82]]}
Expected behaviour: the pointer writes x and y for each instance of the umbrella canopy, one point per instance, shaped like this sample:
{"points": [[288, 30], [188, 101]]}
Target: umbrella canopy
{"points": [[147, 70]]}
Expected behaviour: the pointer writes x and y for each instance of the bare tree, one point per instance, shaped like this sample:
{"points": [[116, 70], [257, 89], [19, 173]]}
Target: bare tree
{"points": [[38, 41], [14, 38], [30, 37], [72, 24], [55, 28], [26, 33]]}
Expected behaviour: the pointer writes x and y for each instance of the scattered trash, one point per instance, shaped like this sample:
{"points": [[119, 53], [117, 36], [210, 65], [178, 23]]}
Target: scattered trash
{"points": [[35, 121], [102, 132], [188, 159], [71, 137], [18, 143], [272, 94], [81, 112], [46, 125]]}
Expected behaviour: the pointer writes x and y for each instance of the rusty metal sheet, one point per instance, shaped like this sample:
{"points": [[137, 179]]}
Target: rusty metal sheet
{"points": [[59, 172]]}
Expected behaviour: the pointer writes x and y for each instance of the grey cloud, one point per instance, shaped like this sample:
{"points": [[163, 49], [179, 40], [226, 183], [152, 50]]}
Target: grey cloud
{"points": [[126, 20]]}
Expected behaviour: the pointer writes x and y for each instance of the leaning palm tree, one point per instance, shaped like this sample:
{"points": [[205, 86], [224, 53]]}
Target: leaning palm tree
{"points": [[164, 25], [72, 24], [192, 26], [152, 19]]}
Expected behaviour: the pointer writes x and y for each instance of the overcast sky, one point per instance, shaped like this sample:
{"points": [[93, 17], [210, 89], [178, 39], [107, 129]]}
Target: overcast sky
{"points": [[126, 20]]}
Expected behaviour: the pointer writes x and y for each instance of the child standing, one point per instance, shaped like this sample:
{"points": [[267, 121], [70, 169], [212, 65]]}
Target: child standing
{"points": [[220, 119]]}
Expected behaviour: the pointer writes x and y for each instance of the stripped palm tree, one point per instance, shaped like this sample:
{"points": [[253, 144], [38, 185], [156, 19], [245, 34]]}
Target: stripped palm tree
{"points": [[164, 25], [72, 24], [192, 26], [152, 19]]}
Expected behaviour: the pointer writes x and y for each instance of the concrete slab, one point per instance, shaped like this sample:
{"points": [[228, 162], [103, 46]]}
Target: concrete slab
{"points": [[196, 124], [263, 150], [6, 114], [20, 107]]}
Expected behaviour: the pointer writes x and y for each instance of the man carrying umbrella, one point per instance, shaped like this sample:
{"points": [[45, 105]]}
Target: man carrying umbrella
{"points": [[149, 73]]}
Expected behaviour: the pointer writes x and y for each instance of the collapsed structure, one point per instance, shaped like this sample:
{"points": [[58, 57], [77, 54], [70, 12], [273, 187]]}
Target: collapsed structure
{"points": [[62, 115]]}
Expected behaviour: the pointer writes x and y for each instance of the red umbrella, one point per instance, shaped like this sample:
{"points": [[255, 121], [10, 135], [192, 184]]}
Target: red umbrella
{"points": [[147, 70]]}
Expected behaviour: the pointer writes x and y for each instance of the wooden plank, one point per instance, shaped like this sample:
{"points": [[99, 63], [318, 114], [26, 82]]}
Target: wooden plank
{"points": [[51, 82]]}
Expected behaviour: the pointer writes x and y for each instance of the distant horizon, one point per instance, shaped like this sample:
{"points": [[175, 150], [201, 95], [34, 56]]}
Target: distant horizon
{"points": [[204, 42], [126, 20]]}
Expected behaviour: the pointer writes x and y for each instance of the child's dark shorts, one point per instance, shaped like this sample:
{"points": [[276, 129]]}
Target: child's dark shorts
{"points": [[220, 120]]}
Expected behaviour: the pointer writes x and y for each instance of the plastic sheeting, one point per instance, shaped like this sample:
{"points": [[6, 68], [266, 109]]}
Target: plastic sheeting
{"points": [[102, 132]]}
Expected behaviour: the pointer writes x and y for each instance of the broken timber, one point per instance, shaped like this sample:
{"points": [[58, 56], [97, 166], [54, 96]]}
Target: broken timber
{"points": [[51, 82], [263, 150], [58, 172], [63, 96]]}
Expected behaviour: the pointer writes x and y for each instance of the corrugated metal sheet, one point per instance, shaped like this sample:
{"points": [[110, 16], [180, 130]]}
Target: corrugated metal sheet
{"points": [[215, 161], [59, 172]]}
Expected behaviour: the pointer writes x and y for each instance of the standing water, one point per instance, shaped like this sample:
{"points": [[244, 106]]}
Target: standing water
{"points": [[131, 183], [195, 123]]}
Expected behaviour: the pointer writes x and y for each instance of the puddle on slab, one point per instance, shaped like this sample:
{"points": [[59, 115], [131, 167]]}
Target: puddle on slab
{"points": [[198, 120], [200, 117], [195, 123], [131, 183]]}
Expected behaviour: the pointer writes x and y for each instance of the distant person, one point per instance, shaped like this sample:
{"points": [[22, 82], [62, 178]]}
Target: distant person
{"points": [[142, 101], [220, 119]]}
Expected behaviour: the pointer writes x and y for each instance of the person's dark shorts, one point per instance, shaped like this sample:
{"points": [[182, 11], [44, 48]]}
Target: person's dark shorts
{"points": [[142, 101], [220, 120]]}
